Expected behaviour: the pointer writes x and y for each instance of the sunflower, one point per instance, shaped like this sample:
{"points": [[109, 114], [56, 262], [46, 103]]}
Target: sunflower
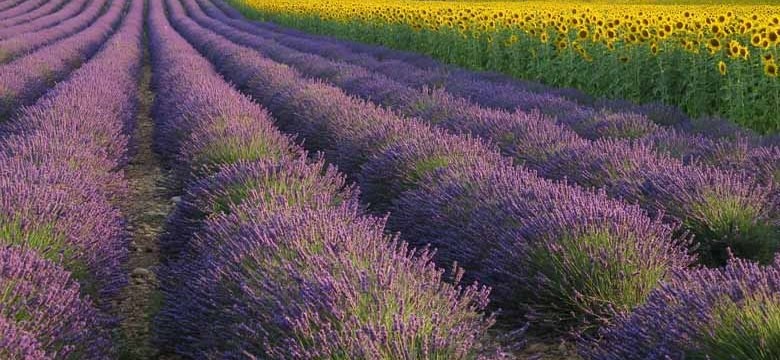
{"points": [[715, 29], [756, 40], [733, 49], [770, 69], [744, 53], [714, 45], [722, 68]]}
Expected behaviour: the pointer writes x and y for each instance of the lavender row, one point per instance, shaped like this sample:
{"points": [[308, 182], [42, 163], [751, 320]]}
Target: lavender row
{"points": [[500, 91], [535, 241], [726, 313], [739, 154], [441, 107], [25, 7], [283, 264], [48, 8], [358, 80], [8, 4], [64, 240], [24, 43], [57, 323], [622, 122], [698, 197], [27, 78], [407, 80], [68, 11]]}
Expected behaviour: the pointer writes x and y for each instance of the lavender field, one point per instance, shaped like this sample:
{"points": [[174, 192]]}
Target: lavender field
{"points": [[180, 182]]}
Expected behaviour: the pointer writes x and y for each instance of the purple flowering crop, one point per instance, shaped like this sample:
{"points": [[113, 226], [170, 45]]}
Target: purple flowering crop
{"points": [[316, 277]]}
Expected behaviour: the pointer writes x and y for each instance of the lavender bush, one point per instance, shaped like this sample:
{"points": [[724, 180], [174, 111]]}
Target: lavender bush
{"points": [[65, 12], [726, 313], [354, 133], [24, 80], [320, 279], [44, 10], [326, 283], [561, 255], [750, 232], [403, 165], [295, 181], [25, 7], [42, 313], [26, 42]]}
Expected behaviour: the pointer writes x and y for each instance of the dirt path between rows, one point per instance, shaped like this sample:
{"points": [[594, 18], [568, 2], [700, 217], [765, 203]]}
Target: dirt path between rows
{"points": [[146, 210]]}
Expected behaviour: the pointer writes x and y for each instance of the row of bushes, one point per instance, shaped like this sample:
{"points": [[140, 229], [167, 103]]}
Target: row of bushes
{"points": [[720, 208], [63, 239], [27, 78], [269, 254], [465, 199], [461, 195]]}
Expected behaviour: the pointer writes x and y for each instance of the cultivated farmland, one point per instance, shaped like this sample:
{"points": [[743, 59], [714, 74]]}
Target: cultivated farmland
{"points": [[389, 179]]}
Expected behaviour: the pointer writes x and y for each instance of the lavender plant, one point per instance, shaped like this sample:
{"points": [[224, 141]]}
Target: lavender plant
{"points": [[320, 279], [24, 7], [43, 313], [354, 133], [24, 80], [67, 11], [48, 8], [750, 232], [23, 43], [726, 313]]}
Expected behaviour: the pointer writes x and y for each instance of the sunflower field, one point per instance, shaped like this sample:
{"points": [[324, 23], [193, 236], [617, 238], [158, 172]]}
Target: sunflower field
{"points": [[710, 60]]}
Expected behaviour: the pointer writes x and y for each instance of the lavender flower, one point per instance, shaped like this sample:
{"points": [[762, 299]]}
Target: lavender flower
{"points": [[24, 80], [727, 313], [24, 7], [317, 283], [44, 10], [320, 279], [24, 42], [353, 134], [43, 312], [623, 168], [18, 344]]}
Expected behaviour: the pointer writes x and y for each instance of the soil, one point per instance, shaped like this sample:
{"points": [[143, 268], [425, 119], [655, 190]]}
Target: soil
{"points": [[145, 210]]}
